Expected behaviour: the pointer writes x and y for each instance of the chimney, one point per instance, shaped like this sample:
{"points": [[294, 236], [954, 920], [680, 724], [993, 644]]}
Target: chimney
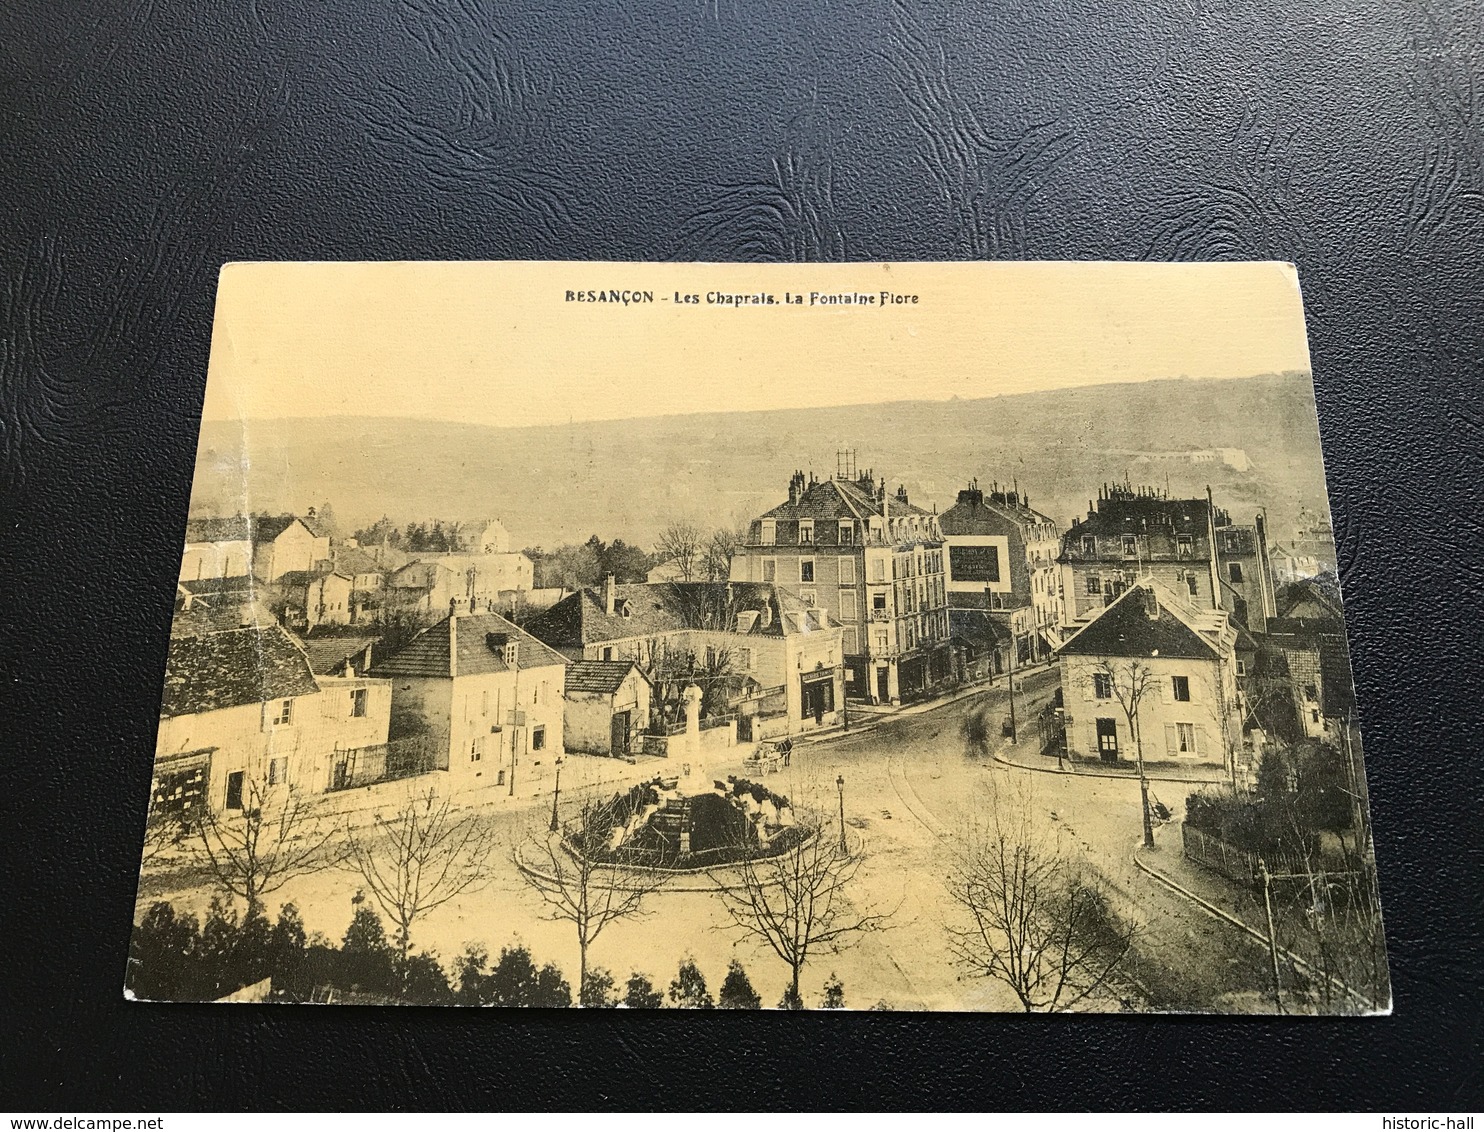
{"points": [[610, 591], [1151, 603]]}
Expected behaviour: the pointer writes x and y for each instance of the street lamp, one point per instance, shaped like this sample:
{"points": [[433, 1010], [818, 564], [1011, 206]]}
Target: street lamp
{"points": [[840, 785], [557, 793]]}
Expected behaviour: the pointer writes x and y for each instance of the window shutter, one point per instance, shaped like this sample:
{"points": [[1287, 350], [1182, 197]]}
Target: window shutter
{"points": [[1172, 741], [1198, 734], [1092, 733], [1166, 689]]}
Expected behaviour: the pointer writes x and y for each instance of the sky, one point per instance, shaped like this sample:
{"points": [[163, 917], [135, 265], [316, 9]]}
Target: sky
{"points": [[501, 343]]}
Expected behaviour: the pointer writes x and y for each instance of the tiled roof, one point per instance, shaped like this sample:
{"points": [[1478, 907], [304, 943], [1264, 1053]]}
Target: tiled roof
{"points": [[266, 528], [1125, 629], [328, 653], [840, 499], [240, 585], [353, 560], [228, 669], [462, 646], [233, 528], [602, 676], [304, 577], [1141, 515], [418, 576], [653, 609], [219, 614], [974, 510]]}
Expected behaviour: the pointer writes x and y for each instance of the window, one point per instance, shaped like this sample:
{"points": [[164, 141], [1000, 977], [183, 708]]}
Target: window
{"points": [[1102, 686], [847, 533], [1094, 584], [1311, 693], [770, 569], [278, 771], [850, 640], [475, 754], [538, 738], [744, 659], [358, 703], [1130, 546], [769, 533], [883, 641], [1234, 571], [847, 605], [809, 598], [1314, 715], [806, 569], [608, 653], [878, 570], [878, 601], [1191, 584], [500, 778], [1089, 545], [806, 531], [847, 571], [1184, 546], [234, 790], [1181, 687], [1185, 739], [285, 714]]}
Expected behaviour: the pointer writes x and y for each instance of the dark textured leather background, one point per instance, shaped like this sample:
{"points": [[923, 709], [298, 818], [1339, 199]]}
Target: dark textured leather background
{"points": [[143, 143]]}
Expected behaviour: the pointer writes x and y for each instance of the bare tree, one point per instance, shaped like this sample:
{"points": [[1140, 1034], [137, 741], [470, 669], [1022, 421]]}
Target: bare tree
{"points": [[256, 850], [420, 858], [1131, 681], [163, 832], [585, 883], [1031, 919], [680, 543], [716, 555], [798, 901]]}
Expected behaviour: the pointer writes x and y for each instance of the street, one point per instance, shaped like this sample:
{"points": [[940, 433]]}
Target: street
{"points": [[909, 782]]}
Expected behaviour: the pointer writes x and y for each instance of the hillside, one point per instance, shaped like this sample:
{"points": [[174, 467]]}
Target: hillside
{"points": [[629, 478]]}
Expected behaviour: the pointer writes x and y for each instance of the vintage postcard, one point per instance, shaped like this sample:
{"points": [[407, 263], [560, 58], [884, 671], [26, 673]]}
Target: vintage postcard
{"points": [[906, 636]]}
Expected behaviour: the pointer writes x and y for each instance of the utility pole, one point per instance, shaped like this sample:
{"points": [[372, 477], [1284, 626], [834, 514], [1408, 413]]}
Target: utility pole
{"points": [[1267, 902], [515, 718], [1014, 648], [840, 785], [557, 793]]}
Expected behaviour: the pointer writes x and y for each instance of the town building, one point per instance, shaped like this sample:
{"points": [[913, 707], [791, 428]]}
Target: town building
{"points": [[216, 548], [285, 543], [484, 580], [1290, 566], [305, 600], [1000, 560], [486, 695], [1172, 665], [757, 649], [607, 707], [1309, 636], [1189, 546], [244, 718], [488, 537], [869, 560]]}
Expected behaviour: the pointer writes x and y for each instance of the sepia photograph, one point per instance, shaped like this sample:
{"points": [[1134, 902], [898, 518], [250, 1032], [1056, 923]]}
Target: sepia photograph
{"points": [[876, 636]]}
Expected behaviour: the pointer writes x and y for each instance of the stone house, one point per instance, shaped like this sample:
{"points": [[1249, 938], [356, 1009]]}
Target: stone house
{"points": [[762, 653], [607, 707], [243, 716], [486, 694], [216, 548], [1173, 663], [284, 543]]}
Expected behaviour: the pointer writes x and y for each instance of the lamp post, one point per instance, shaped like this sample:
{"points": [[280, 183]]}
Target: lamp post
{"points": [[557, 793], [840, 785]]}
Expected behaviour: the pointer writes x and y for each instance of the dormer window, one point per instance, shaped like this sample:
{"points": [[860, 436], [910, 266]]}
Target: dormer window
{"points": [[847, 533], [806, 531], [510, 653], [1089, 545], [1130, 546], [769, 533], [1185, 546]]}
